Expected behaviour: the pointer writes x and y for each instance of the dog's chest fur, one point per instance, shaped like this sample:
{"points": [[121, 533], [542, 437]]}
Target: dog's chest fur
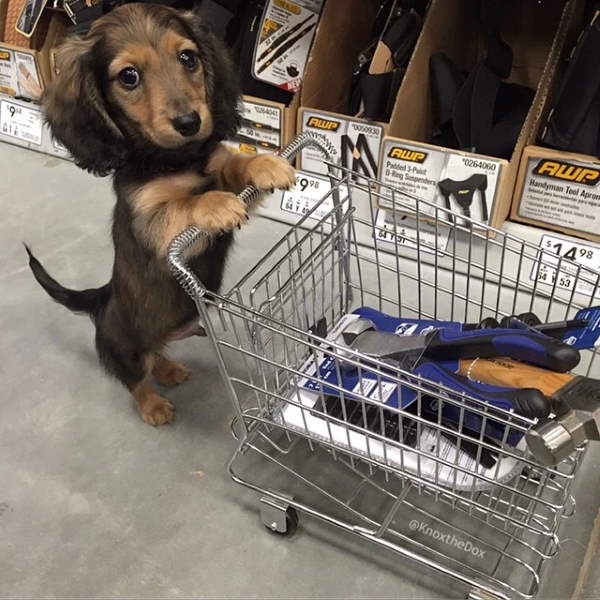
{"points": [[141, 278]]}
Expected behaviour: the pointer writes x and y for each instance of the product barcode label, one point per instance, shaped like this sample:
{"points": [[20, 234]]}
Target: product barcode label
{"points": [[555, 268], [308, 192], [406, 234], [21, 122]]}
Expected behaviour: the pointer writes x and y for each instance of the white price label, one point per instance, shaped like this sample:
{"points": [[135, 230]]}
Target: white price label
{"points": [[309, 192], [557, 268], [406, 234], [378, 391], [21, 122]]}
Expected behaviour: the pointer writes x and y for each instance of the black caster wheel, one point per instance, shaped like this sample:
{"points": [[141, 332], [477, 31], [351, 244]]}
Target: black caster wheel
{"points": [[289, 527], [278, 516]]}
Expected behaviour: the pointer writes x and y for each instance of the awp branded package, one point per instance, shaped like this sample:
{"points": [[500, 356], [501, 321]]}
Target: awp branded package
{"points": [[560, 191], [357, 141]]}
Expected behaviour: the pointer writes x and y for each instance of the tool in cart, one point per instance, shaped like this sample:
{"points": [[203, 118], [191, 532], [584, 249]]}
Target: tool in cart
{"points": [[399, 429], [463, 193], [446, 344], [417, 353], [581, 332], [575, 402]]}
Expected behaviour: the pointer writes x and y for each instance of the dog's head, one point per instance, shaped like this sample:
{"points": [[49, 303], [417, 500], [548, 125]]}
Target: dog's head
{"points": [[145, 76]]}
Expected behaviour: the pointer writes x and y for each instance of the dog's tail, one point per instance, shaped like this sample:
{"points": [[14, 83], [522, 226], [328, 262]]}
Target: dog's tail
{"points": [[84, 301]]}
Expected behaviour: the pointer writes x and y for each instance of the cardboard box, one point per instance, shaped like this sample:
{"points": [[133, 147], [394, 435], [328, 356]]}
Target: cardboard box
{"points": [[559, 191], [344, 31], [269, 125], [536, 33], [24, 72], [356, 140], [266, 126]]}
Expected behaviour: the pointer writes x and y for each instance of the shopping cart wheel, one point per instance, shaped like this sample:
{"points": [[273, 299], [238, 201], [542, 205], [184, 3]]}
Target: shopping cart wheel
{"points": [[277, 516]]}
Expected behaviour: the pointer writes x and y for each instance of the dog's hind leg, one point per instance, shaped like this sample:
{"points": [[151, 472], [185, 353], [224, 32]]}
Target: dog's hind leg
{"points": [[132, 365], [154, 409], [169, 372]]}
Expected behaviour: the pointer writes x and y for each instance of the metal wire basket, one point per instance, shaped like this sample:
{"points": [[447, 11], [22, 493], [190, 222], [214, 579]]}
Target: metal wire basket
{"points": [[411, 479]]}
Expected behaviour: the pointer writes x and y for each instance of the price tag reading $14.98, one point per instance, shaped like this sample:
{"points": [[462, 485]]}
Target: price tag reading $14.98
{"points": [[568, 276], [309, 191]]}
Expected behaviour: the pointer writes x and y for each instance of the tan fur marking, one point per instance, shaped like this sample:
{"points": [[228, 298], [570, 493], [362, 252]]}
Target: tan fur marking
{"points": [[267, 171], [154, 409], [237, 170], [219, 211], [173, 43], [166, 206], [166, 89], [169, 372]]}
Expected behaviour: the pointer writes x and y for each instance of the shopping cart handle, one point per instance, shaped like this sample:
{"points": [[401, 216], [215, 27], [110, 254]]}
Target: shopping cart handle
{"points": [[188, 237]]}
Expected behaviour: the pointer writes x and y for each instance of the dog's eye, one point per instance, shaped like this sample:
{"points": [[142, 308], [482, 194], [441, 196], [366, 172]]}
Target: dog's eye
{"points": [[129, 78], [188, 59]]}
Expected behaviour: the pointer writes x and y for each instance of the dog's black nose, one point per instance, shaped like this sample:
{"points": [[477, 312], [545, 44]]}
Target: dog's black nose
{"points": [[187, 124]]}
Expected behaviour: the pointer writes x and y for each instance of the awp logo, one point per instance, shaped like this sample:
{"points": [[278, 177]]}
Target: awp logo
{"points": [[567, 172], [409, 155], [326, 124]]}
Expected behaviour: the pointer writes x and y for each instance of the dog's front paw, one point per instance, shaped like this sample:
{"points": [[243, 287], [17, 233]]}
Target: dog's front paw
{"points": [[156, 410], [267, 172], [219, 211]]}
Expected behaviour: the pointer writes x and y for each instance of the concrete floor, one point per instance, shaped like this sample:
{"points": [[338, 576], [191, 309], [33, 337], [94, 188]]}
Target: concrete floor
{"points": [[93, 503]]}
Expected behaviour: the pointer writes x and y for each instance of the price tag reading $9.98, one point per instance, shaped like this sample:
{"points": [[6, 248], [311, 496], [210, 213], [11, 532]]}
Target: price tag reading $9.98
{"points": [[21, 122], [308, 192], [564, 275]]}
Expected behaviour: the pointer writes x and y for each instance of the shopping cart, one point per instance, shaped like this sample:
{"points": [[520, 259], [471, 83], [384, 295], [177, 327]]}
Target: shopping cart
{"points": [[389, 475]]}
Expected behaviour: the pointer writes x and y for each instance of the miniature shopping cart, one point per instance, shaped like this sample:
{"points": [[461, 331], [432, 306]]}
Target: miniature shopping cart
{"points": [[419, 480]]}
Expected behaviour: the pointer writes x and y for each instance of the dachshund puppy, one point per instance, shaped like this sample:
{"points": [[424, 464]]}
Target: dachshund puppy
{"points": [[147, 96]]}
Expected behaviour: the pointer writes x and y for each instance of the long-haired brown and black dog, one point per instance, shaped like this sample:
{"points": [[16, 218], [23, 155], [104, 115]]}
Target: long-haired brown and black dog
{"points": [[148, 95]]}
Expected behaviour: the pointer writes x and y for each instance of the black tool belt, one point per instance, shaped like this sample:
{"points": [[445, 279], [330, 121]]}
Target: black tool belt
{"points": [[397, 27], [574, 121], [479, 111]]}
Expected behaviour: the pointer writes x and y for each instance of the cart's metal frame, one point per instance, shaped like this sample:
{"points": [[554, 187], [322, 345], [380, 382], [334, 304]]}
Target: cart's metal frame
{"points": [[268, 332]]}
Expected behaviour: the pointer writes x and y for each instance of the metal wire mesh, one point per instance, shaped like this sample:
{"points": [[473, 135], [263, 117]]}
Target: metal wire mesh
{"points": [[448, 460]]}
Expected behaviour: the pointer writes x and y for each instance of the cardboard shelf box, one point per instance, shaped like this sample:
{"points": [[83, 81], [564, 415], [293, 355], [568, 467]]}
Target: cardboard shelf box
{"points": [[267, 126], [272, 92], [343, 33], [24, 72], [537, 34], [559, 191]]}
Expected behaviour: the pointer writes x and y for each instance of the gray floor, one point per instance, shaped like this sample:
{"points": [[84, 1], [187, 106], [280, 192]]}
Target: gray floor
{"points": [[95, 503]]}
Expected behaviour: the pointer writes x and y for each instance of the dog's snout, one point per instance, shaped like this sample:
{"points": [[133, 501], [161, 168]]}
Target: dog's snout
{"points": [[188, 124]]}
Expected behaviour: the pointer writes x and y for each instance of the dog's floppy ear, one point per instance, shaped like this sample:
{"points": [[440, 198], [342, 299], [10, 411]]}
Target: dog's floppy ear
{"points": [[76, 112], [222, 78]]}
